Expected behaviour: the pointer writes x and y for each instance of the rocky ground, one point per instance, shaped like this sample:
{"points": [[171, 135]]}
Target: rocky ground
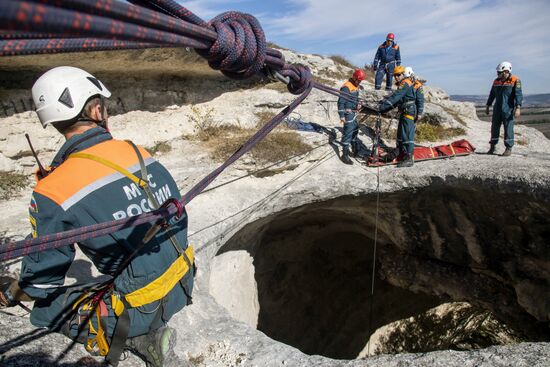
{"points": [[219, 329]]}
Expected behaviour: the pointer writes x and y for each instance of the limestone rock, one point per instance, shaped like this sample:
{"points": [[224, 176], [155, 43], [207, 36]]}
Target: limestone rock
{"points": [[467, 229]]}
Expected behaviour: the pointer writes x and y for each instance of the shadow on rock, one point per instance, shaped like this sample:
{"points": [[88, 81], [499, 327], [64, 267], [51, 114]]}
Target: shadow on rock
{"points": [[40, 359]]}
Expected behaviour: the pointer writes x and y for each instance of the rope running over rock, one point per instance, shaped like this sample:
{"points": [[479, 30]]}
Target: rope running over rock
{"points": [[232, 42]]}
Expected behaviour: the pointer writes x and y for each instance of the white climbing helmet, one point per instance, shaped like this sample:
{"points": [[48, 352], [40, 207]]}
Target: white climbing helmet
{"points": [[504, 66], [61, 93], [408, 72]]}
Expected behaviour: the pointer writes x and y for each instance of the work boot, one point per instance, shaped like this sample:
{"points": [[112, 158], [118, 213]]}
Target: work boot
{"points": [[407, 162], [507, 152], [392, 154], [345, 155], [491, 149], [156, 348], [354, 151]]}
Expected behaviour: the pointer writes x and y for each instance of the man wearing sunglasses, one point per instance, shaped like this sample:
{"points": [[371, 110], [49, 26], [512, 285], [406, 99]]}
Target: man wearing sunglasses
{"points": [[507, 95]]}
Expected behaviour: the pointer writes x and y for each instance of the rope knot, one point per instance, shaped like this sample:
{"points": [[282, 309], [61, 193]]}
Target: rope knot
{"points": [[240, 49], [300, 78]]}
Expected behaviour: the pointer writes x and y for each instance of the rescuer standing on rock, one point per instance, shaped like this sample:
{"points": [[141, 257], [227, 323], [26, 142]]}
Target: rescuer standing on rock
{"points": [[507, 95], [347, 110], [94, 179], [388, 56], [405, 99]]}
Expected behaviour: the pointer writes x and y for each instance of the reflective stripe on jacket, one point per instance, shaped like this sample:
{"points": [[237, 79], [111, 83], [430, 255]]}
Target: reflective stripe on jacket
{"points": [[386, 54], [81, 192], [419, 97], [507, 95], [404, 98], [344, 104]]}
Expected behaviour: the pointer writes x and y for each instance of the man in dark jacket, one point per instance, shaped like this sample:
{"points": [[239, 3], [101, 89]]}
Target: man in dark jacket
{"points": [[93, 179], [507, 95], [387, 57], [348, 104], [404, 98]]}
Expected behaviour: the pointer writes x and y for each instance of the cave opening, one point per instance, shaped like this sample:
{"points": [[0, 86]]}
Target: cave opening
{"points": [[313, 268]]}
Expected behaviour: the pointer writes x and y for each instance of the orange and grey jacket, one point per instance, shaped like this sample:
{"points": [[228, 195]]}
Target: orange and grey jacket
{"points": [[387, 54], [419, 97], [80, 192], [404, 98], [507, 95], [345, 106]]}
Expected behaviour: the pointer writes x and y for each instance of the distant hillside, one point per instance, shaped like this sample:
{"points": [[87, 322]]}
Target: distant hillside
{"points": [[531, 100]]}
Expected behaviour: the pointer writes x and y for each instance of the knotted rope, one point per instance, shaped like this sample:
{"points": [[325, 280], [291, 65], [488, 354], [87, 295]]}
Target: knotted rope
{"points": [[231, 42]]}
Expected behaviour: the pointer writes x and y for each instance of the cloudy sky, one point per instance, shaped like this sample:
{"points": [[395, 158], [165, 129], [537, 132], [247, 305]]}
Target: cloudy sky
{"points": [[454, 44]]}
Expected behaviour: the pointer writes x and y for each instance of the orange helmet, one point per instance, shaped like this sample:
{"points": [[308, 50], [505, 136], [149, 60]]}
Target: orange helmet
{"points": [[359, 75], [398, 70]]}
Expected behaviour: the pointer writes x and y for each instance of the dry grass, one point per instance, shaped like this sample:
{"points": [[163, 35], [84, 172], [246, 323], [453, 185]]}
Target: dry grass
{"points": [[223, 140], [341, 60], [432, 133], [160, 148], [206, 127], [522, 141], [263, 117], [323, 75], [277, 146], [275, 85], [11, 182]]}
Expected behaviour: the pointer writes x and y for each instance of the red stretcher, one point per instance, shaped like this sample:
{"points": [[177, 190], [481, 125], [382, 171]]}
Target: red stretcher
{"points": [[458, 148]]}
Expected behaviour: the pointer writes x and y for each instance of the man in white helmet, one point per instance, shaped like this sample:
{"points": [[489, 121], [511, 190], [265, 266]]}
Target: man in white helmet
{"points": [[418, 92], [507, 95], [93, 179]]}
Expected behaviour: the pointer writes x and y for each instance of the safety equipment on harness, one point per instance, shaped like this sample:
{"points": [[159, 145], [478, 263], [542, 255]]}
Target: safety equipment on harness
{"points": [[359, 75], [399, 70], [61, 93], [390, 36], [408, 72], [504, 66], [154, 291]]}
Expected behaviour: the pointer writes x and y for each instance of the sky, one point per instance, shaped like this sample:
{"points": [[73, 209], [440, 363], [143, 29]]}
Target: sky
{"points": [[453, 44]]}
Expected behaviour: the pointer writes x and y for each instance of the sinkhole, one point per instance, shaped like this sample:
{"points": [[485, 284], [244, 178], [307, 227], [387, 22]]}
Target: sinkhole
{"points": [[456, 267]]}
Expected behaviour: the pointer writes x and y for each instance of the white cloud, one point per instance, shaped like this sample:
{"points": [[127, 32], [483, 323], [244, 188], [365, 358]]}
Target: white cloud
{"points": [[442, 37]]}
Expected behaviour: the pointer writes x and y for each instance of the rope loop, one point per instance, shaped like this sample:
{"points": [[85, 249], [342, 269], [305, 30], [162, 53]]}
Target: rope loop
{"points": [[300, 78], [239, 52]]}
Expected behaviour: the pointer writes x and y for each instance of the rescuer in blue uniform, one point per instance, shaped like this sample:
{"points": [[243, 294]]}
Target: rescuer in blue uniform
{"points": [[388, 56], [404, 98], [93, 179], [507, 95], [347, 110]]}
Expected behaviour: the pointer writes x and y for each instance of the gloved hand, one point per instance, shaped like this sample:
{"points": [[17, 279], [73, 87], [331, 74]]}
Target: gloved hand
{"points": [[418, 117], [517, 113], [11, 293], [342, 120], [487, 110], [6, 297]]}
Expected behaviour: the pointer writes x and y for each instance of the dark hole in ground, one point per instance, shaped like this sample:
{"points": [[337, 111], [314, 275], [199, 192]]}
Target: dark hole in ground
{"points": [[313, 268]]}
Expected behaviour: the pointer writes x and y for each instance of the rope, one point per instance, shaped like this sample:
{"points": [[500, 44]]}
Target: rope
{"points": [[231, 42], [374, 256]]}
